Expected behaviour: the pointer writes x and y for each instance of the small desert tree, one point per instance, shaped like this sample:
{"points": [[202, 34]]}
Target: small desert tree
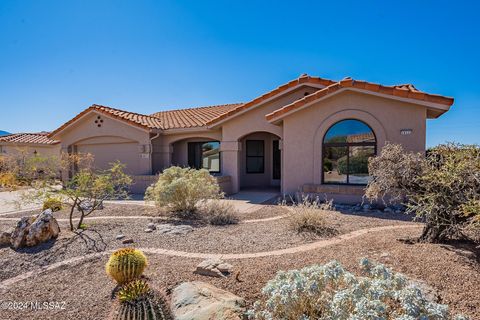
{"points": [[181, 189], [442, 188], [88, 188]]}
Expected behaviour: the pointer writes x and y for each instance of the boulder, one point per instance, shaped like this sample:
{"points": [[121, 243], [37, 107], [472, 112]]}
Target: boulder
{"points": [[202, 301], [31, 231], [214, 268], [5, 239], [174, 229]]}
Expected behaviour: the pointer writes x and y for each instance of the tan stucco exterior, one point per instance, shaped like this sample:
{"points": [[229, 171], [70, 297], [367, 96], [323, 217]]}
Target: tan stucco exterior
{"points": [[299, 131]]}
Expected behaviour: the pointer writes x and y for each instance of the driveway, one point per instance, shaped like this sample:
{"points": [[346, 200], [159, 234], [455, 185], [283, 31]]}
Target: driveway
{"points": [[10, 201]]}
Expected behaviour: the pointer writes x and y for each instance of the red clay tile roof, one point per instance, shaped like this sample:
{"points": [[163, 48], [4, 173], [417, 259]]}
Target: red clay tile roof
{"points": [[29, 138], [192, 117], [404, 91], [303, 79], [140, 120]]}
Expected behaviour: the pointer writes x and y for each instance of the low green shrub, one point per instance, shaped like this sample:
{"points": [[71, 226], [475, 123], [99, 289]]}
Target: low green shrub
{"points": [[182, 189], [53, 203]]}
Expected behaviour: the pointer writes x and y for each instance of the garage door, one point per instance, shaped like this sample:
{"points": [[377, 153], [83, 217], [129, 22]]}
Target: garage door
{"points": [[104, 154]]}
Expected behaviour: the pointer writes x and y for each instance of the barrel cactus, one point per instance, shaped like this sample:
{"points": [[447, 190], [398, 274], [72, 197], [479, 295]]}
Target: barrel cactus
{"points": [[137, 301], [126, 265]]}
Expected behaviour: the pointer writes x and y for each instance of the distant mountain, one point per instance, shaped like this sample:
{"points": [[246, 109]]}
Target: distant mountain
{"points": [[2, 133]]}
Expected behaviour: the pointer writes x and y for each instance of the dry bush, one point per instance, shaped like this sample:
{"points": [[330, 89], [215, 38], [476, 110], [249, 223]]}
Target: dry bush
{"points": [[443, 188], [309, 216], [218, 213]]}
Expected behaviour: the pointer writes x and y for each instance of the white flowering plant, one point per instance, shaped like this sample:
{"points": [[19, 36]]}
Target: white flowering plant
{"points": [[330, 292]]}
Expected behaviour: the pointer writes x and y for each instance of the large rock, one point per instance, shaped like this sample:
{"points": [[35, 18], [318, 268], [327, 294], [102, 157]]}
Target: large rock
{"points": [[31, 231], [181, 229], [214, 268], [202, 301]]}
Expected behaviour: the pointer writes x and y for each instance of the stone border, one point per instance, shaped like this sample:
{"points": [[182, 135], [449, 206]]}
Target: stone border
{"points": [[144, 217], [194, 255]]}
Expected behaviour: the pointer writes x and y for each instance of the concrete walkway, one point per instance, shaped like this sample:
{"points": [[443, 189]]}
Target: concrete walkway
{"points": [[243, 202], [196, 255], [249, 201], [9, 202]]}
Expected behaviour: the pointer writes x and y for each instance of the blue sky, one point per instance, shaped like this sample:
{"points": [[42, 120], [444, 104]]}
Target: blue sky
{"points": [[59, 57]]}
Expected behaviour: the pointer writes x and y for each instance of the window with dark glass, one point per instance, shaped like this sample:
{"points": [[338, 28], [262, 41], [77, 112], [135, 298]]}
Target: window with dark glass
{"points": [[255, 150], [204, 155], [347, 146]]}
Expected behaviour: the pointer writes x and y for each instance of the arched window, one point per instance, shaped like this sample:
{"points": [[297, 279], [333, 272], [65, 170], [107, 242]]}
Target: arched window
{"points": [[347, 145]]}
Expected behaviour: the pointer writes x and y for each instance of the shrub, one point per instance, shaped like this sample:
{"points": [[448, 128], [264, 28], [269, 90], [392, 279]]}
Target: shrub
{"points": [[308, 216], [126, 264], [53, 203], [137, 301], [330, 292], [8, 180], [443, 188], [181, 189], [219, 213]]}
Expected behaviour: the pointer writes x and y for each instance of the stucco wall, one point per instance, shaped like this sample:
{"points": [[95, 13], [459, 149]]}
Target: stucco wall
{"points": [[249, 122], [304, 131], [113, 140], [44, 150]]}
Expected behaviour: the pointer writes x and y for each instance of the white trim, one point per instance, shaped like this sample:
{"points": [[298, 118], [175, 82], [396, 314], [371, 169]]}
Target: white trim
{"points": [[430, 105], [319, 86]]}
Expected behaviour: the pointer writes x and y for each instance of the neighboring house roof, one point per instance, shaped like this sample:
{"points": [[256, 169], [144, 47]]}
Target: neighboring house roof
{"points": [[361, 137], [192, 117], [303, 79], [29, 138], [402, 91]]}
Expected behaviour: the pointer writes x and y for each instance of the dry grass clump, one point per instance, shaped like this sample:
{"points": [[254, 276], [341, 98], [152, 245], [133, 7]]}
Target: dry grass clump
{"points": [[219, 213], [309, 216]]}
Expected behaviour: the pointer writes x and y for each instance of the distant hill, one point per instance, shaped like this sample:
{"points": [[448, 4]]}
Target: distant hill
{"points": [[2, 133]]}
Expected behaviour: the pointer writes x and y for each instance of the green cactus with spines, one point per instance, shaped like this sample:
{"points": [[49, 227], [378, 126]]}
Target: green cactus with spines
{"points": [[126, 264], [137, 301]]}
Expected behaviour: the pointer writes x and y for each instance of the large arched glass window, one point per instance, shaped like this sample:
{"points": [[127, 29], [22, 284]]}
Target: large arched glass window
{"points": [[347, 145]]}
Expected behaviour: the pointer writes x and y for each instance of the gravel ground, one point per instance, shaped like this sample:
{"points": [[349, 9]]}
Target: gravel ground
{"points": [[241, 238], [86, 290]]}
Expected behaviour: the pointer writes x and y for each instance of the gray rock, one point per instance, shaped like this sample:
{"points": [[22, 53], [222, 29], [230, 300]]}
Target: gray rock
{"points": [[152, 226], [127, 241], [214, 268], [148, 230], [174, 229], [88, 205], [119, 237], [202, 301], [31, 231], [5, 239]]}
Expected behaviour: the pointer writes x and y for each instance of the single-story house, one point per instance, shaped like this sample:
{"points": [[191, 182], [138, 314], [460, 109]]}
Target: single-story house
{"points": [[311, 134]]}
